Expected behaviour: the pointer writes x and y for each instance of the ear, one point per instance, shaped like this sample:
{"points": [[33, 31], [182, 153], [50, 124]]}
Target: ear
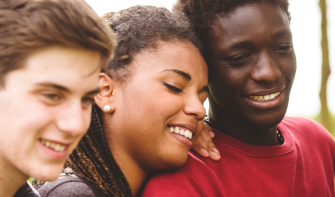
{"points": [[106, 96]]}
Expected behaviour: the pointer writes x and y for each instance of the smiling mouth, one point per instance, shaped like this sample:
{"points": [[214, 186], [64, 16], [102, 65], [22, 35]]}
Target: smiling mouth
{"points": [[186, 133], [52, 145], [268, 97]]}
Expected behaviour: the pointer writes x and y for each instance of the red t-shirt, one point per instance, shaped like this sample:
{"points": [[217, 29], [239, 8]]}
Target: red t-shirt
{"points": [[302, 166]]}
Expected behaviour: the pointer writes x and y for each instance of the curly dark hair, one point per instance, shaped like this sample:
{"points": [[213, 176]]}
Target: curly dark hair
{"points": [[202, 13], [138, 28]]}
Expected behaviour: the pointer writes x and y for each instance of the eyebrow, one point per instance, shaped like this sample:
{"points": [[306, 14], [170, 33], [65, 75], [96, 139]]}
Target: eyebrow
{"points": [[55, 86], [64, 89], [248, 43], [242, 44], [187, 77], [281, 33], [179, 72], [95, 91]]}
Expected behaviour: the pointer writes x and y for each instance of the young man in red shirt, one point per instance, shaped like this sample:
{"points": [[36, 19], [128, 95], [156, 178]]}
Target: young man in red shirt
{"points": [[249, 52]]}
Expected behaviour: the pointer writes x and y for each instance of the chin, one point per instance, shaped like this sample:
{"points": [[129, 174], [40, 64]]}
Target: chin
{"points": [[47, 172], [173, 162], [268, 121]]}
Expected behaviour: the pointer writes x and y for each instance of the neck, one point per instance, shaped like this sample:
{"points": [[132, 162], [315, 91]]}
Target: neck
{"points": [[11, 179], [133, 172], [242, 130]]}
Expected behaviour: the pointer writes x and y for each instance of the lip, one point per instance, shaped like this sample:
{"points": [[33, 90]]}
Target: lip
{"points": [[267, 92], [192, 128], [187, 126], [58, 155], [265, 105]]}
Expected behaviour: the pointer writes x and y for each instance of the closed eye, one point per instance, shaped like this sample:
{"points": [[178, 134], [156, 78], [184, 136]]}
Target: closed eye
{"points": [[172, 88]]}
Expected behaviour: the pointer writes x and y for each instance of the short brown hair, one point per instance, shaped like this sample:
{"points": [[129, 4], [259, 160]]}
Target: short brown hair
{"points": [[27, 25]]}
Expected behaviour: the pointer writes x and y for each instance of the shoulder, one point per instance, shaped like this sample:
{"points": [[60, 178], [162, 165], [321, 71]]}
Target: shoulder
{"points": [[310, 135], [26, 190], [172, 183], [305, 126], [69, 186], [195, 178], [299, 121]]}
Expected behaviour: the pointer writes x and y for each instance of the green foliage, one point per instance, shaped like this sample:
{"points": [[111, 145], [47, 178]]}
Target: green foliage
{"points": [[332, 116]]}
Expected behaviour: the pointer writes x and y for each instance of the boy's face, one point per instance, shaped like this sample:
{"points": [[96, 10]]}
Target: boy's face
{"points": [[251, 64], [45, 109]]}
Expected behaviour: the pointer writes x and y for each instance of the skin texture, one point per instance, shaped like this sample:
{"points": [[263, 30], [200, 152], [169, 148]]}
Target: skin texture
{"points": [[204, 145], [250, 53], [50, 98], [146, 104]]}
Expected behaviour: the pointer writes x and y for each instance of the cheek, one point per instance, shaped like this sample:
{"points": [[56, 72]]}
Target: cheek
{"points": [[154, 104], [288, 66], [291, 70], [87, 119]]}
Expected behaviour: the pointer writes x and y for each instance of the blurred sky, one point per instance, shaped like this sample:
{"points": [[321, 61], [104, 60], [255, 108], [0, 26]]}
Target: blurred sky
{"points": [[306, 29]]}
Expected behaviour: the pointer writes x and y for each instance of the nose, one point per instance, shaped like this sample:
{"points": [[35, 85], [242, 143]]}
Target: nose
{"points": [[74, 120], [195, 108], [266, 69]]}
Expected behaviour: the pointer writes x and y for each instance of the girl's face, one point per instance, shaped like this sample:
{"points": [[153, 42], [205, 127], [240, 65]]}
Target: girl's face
{"points": [[45, 110], [164, 93]]}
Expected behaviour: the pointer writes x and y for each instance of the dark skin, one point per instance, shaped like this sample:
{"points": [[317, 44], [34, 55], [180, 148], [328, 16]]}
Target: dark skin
{"points": [[252, 66]]}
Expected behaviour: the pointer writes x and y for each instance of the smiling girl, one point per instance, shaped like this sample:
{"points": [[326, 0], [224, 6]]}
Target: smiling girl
{"points": [[149, 111]]}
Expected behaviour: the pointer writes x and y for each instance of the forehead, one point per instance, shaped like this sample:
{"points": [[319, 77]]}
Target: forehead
{"points": [[249, 22], [174, 55], [64, 66]]}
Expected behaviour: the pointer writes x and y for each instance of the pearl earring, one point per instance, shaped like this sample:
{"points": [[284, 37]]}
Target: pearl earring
{"points": [[107, 108]]}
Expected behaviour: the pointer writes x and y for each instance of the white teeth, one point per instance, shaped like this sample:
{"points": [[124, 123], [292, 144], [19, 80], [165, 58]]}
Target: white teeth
{"points": [[176, 130], [265, 97], [52, 145], [272, 96], [186, 133]]}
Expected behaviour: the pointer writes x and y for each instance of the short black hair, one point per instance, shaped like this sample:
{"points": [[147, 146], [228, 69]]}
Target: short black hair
{"points": [[202, 13]]}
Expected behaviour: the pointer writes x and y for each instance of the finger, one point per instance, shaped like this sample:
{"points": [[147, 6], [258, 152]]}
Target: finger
{"points": [[198, 149], [209, 130], [214, 153], [203, 140], [214, 156], [205, 133]]}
